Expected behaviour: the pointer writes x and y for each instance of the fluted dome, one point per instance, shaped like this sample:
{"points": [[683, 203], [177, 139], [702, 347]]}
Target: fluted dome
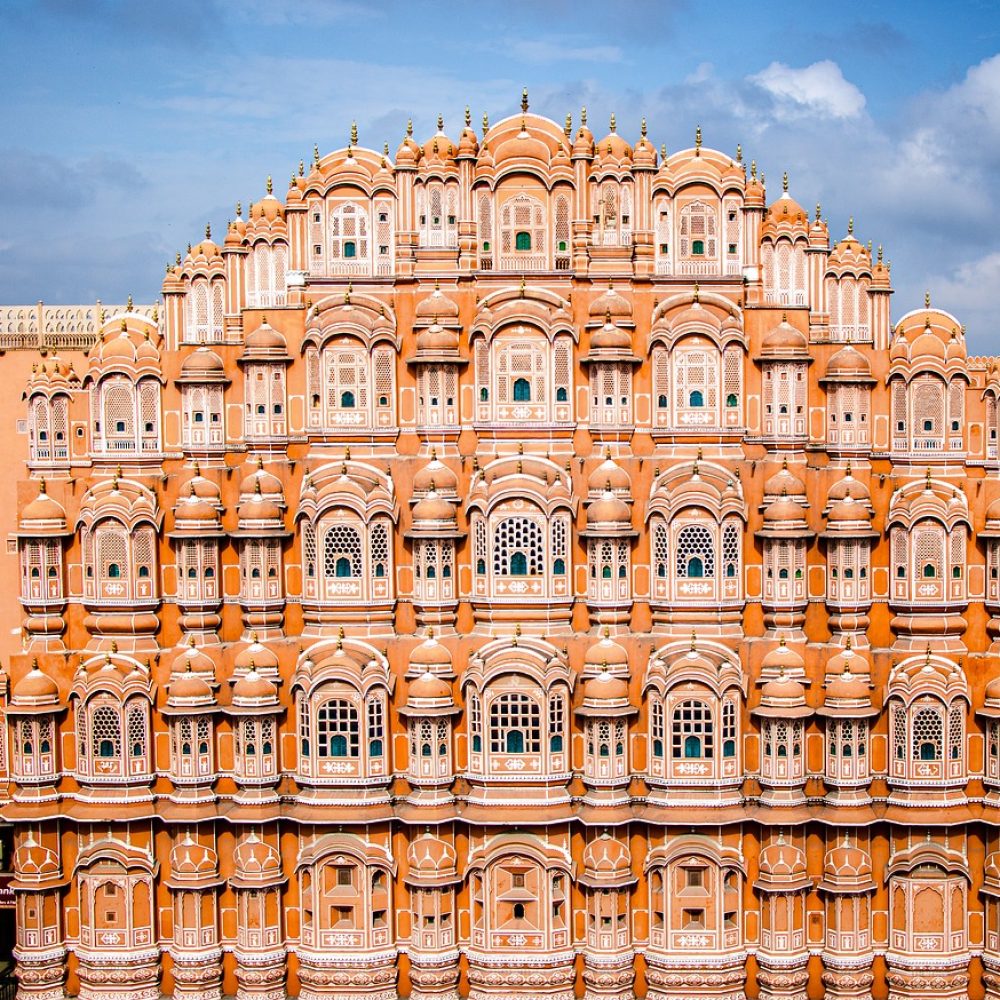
{"points": [[847, 687], [436, 307], [606, 655], [783, 698], [783, 511], [785, 341], [783, 861], [847, 864], [256, 656], [43, 509], [607, 859], [189, 689], [252, 691], [431, 860], [605, 687], [437, 338], [784, 483], [203, 361], [609, 476], [430, 687], [848, 363], [430, 654], [36, 688], [435, 474], [433, 507], [782, 658], [610, 304], [608, 510], [848, 510], [610, 338], [265, 341]]}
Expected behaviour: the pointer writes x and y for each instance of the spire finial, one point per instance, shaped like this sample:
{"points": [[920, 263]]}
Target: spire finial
{"points": [[270, 185], [354, 133], [409, 127], [208, 230], [696, 292], [41, 487], [568, 126], [613, 123], [486, 123], [697, 141], [440, 122], [850, 226], [739, 152], [927, 299], [316, 154], [583, 116], [302, 168], [753, 170], [880, 253], [642, 127], [819, 210], [524, 100], [784, 182]]}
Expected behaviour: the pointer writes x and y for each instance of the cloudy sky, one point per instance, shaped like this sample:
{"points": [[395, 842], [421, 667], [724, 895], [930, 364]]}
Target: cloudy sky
{"points": [[126, 125]]}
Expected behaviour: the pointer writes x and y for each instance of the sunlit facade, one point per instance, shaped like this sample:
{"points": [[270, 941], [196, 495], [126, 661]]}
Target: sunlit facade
{"points": [[526, 566]]}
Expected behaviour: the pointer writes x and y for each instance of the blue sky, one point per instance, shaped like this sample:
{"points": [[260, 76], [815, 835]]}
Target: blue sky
{"points": [[126, 126]]}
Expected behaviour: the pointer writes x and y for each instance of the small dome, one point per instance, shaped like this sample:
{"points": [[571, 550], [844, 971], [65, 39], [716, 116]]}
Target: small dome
{"points": [[782, 658], [265, 338], [34, 862], [435, 474], [203, 362], [435, 307], [927, 345], [430, 857], [849, 487], [605, 687], [609, 476], [848, 363], [269, 483], [437, 338], [847, 863], [847, 687], [610, 303], [253, 690], [992, 692], [43, 508], [432, 654], [36, 688], [259, 508], [848, 510], [783, 693], [784, 483], [202, 488], [433, 507], [190, 689], [430, 687], [993, 511], [607, 858], [610, 338], [191, 860], [255, 656], [783, 511], [782, 860], [786, 210], [605, 654], [785, 339], [608, 510], [193, 508], [256, 860]]}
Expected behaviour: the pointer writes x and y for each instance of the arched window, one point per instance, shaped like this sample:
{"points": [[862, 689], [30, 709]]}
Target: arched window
{"points": [[522, 241], [522, 391], [337, 729], [518, 548], [692, 731], [695, 552], [347, 400]]}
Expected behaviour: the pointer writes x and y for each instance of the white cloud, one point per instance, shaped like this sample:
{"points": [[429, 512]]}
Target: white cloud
{"points": [[818, 90]]}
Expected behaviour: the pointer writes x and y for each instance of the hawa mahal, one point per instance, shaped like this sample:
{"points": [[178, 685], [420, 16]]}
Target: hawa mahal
{"points": [[529, 566]]}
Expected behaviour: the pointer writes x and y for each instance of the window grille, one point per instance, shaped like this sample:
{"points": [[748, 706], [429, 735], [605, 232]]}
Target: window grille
{"points": [[928, 736], [695, 556], [518, 548], [337, 732], [661, 556], [341, 552], [692, 731], [557, 722], [106, 733], [515, 724], [656, 724]]}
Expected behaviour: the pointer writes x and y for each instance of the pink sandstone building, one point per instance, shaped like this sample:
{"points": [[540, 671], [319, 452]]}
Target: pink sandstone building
{"points": [[526, 566]]}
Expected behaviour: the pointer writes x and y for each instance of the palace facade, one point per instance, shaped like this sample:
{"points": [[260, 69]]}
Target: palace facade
{"points": [[528, 566]]}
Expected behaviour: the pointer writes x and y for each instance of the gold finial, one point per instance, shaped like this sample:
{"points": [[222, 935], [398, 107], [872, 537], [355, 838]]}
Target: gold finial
{"points": [[524, 100], [316, 155], [642, 127], [41, 487], [128, 304], [696, 292], [385, 149], [302, 168], [354, 133], [468, 117], [522, 286], [177, 261], [435, 145], [124, 327], [517, 633], [347, 293], [753, 170], [739, 152], [440, 123], [697, 141], [784, 182], [850, 226], [208, 230], [270, 185], [583, 117], [880, 253], [663, 150], [784, 317], [927, 299], [693, 640], [613, 123], [239, 209], [819, 210], [486, 123], [568, 126]]}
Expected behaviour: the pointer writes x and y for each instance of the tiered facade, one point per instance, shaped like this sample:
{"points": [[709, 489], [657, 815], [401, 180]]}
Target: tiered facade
{"points": [[530, 566]]}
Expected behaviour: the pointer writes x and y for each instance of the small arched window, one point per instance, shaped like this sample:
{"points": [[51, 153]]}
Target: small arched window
{"points": [[518, 564], [350, 248], [696, 398], [522, 241], [522, 391], [347, 400]]}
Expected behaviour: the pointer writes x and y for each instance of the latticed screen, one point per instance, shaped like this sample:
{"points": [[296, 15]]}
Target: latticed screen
{"points": [[105, 730], [695, 552], [342, 551], [515, 724], [928, 735], [337, 732], [692, 730], [518, 548]]}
